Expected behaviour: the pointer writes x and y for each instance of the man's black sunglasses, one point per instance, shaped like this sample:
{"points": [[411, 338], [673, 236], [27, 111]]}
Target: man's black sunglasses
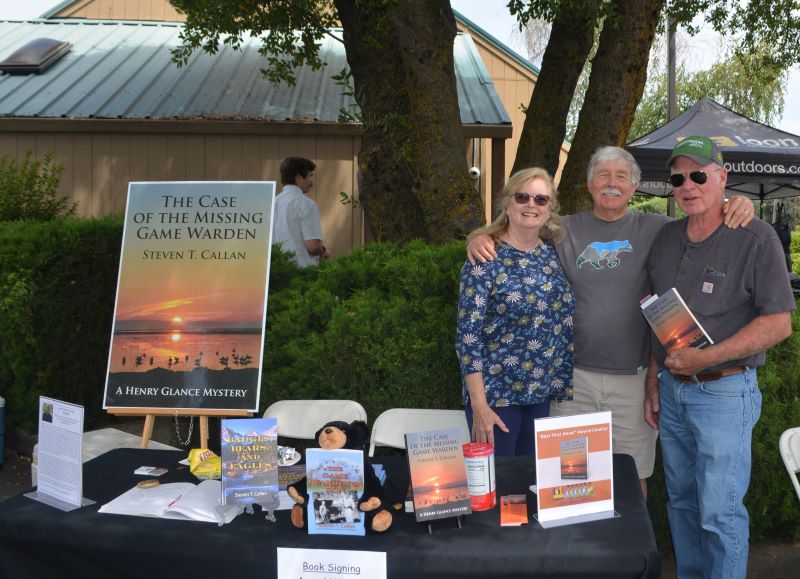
{"points": [[678, 179]]}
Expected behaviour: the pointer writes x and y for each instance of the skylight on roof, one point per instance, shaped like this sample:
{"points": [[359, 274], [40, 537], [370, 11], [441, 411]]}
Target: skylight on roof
{"points": [[36, 56]]}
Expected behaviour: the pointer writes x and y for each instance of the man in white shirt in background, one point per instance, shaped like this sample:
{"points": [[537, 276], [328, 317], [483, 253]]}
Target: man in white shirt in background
{"points": [[296, 223]]}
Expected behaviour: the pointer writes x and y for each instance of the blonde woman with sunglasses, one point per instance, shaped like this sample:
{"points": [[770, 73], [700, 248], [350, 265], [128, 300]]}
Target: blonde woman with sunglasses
{"points": [[514, 327]]}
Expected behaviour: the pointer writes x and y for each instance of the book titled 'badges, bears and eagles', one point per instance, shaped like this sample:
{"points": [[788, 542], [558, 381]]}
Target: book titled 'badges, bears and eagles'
{"points": [[438, 474], [335, 481], [249, 448]]}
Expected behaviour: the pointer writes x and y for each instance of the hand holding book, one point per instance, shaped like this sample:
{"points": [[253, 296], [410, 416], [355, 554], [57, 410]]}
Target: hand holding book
{"points": [[673, 322]]}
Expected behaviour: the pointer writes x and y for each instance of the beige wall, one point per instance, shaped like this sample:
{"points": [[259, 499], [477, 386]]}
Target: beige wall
{"points": [[514, 84], [122, 10], [99, 165]]}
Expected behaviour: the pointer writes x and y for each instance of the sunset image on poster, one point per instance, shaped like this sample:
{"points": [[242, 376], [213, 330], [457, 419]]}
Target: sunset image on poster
{"points": [[191, 296]]}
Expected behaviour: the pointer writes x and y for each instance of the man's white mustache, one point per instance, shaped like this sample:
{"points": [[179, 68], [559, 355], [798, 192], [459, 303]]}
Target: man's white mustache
{"points": [[612, 192]]}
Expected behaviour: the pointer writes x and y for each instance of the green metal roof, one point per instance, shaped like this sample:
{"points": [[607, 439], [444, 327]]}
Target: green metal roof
{"points": [[123, 70]]}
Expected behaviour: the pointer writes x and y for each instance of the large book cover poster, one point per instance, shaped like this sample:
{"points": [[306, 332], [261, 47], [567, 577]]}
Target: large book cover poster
{"points": [[335, 481], [191, 296], [438, 474], [249, 453], [574, 466], [673, 322]]}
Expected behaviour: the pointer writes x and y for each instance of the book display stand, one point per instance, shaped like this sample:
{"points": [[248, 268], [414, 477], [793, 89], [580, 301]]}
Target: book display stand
{"points": [[457, 518], [151, 413], [269, 504]]}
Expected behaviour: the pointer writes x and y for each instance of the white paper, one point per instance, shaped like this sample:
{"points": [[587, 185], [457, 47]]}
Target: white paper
{"points": [[330, 564], [572, 491], [185, 501], [60, 455]]}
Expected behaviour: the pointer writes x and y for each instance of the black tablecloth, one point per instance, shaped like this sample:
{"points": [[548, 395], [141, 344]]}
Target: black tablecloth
{"points": [[39, 541]]}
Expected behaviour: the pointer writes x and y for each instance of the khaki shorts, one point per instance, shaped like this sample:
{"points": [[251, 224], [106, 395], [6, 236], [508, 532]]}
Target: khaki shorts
{"points": [[623, 395]]}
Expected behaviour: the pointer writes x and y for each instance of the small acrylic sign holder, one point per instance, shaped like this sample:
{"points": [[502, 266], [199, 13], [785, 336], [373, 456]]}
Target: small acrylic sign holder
{"points": [[269, 504]]}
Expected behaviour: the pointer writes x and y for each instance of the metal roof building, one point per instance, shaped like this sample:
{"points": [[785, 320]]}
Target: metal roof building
{"points": [[116, 109], [123, 70]]}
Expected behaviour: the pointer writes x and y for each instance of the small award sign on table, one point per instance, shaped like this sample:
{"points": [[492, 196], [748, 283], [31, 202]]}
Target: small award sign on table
{"points": [[574, 469], [60, 455]]}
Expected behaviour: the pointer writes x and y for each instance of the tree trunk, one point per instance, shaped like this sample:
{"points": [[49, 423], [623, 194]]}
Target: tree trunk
{"points": [[619, 71], [570, 43], [413, 162]]}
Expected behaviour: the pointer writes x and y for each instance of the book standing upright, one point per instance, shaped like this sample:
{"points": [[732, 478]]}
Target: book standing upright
{"points": [[249, 448], [335, 481], [438, 474]]}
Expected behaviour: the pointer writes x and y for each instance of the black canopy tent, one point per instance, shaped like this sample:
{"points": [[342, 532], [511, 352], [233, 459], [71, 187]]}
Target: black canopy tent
{"points": [[762, 162]]}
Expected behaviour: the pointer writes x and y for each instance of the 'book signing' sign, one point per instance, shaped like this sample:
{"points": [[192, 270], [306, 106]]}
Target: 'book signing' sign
{"points": [[191, 296]]}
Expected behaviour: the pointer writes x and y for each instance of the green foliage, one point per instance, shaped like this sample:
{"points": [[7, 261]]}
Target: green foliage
{"points": [[735, 82], [377, 326], [649, 204], [795, 251], [769, 29], [289, 32], [28, 189], [57, 287]]}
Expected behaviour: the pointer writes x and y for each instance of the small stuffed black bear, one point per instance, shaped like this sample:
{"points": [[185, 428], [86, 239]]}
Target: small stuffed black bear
{"points": [[335, 435]]}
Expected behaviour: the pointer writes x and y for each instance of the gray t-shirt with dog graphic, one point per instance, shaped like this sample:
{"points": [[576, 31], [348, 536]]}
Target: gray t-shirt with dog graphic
{"points": [[606, 264]]}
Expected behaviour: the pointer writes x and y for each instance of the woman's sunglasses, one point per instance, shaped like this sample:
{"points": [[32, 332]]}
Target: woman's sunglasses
{"points": [[678, 179], [523, 198]]}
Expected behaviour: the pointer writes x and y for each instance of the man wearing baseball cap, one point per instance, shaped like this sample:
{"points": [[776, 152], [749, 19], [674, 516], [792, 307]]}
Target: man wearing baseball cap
{"points": [[706, 401]]}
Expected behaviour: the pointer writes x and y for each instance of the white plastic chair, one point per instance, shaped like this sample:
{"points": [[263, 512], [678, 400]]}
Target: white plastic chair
{"points": [[302, 418], [790, 452], [392, 425]]}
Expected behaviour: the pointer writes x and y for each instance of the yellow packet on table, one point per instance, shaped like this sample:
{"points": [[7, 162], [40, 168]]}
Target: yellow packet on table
{"points": [[204, 464]]}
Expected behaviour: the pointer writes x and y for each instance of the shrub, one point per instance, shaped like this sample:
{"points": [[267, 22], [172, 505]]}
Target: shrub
{"points": [[57, 287], [377, 326], [28, 189]]}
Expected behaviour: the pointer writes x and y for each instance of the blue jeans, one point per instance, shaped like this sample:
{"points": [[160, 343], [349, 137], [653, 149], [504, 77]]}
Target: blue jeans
{"points": [[706, 429], [520, 438]]}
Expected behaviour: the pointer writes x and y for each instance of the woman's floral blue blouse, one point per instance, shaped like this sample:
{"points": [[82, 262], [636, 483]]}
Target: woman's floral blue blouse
{"points": [[515, 326]]}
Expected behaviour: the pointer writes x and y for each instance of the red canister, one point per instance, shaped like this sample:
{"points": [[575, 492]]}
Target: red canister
{"points": [[479, 458]]}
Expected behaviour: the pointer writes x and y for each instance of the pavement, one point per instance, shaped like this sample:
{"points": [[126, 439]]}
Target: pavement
{"points": [[769, 560]]}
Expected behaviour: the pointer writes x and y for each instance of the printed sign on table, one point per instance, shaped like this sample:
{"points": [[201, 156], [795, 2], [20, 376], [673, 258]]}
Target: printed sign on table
{"points": [[327, 563], [191, 296], [60, 460], [574, 468]]}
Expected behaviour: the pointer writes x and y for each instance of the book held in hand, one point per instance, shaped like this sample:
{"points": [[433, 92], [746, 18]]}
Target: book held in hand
{"points": [[673, 322], [438, 474]]}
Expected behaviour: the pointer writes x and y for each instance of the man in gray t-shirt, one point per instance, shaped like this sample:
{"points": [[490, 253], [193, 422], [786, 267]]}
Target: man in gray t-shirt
{"points": [[604, 255], [707, 401]]}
